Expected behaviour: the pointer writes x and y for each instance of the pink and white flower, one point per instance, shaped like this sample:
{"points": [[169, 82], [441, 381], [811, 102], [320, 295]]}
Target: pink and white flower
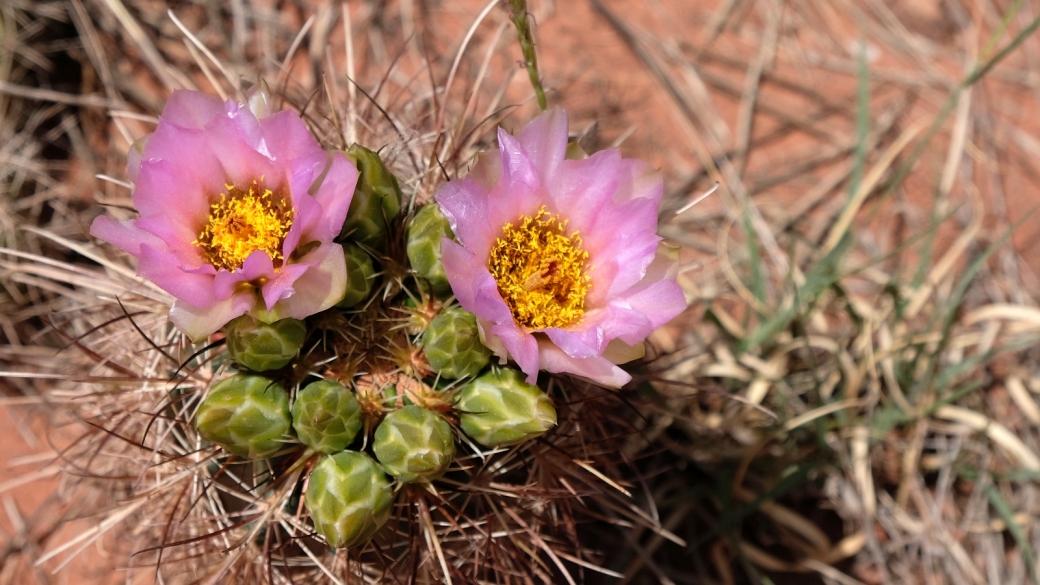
{"points": [[560, 259], [238, 211]]}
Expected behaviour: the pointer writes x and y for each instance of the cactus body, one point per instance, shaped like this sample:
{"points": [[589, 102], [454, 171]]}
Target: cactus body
{"points": [[246, 415], [414, 444], [261, 346], [348, 498], [376, 202], [424, 245], [360, 271], [326, 416], [452, 344], [500, 409]]}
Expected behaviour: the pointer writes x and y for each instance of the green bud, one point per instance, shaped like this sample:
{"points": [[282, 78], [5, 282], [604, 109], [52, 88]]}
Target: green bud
{"points": [[360, 272], [414, 444], [246, 415], [261, 346], [424, 245], [500, 408], [452, 344], [348, 498], [326, 416], [376, 202]]}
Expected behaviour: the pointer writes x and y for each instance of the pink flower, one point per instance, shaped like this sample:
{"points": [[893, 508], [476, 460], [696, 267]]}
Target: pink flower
{"points": [[238, 212], [560, 259]]}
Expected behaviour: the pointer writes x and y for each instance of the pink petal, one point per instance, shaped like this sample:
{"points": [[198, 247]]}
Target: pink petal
{"points": [[581, 188], [164, 269], [286, 137], [465, 203], [473, 285], [258, 265], [638, 180], [177, 236], [334, 196], [162, 189], [181, 149], [598, 369], [660, 302], [320, 287], [191, 109], [198, 323], [123, 235], [281, 287], [307, 216], [518, 192], [544, 140], [521, 346]]}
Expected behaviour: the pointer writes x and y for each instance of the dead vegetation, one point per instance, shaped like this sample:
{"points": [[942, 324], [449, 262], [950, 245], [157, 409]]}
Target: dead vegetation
{"points": [[852, 397]]}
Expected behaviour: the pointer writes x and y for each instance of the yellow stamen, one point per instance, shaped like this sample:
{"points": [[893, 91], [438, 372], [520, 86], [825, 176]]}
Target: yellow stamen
{"points": [[242, 222], [541, 271]]}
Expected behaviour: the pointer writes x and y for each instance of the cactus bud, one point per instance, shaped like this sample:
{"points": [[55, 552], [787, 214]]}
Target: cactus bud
{"points": [[500, 408], [414, 444], [326, 416], [261, 346], [359, 275], [348, 498], [376, 202], [452, 344], [424, 245], [246, 415]]}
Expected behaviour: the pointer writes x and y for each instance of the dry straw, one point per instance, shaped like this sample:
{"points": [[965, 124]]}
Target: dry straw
{"points": [[853, 398]]}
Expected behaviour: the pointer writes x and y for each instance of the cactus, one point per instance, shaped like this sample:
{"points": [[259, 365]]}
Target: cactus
{"points": [[326, 416], [261, 346], [246, 415], [500, 408], [452, 344], [414, 444], [424, 245], [377, 199], [348, 498], [360, 272]]}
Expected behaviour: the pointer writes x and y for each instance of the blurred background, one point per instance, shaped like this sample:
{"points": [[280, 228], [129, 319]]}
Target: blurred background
{"points": [[852, 396]]}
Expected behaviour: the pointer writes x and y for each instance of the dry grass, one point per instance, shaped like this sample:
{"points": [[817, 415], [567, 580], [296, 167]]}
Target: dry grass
{"points": [[852, 397]]}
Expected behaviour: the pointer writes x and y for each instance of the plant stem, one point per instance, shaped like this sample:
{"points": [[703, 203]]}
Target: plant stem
{"points": [[523, 30]]}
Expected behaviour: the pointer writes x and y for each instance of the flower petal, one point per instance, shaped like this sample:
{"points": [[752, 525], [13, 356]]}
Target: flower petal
{"points": [[165, 270], [544, 140], [191, 109], [334, 195], [522, 347], [198, 323], [286, 137], [518, 191], [123, 234], [320, 287], [598, 369], [465, 203], [473, 285]]}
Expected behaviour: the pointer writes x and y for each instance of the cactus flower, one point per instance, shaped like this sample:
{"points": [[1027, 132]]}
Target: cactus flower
{"points": [[560, 259], [238, 210]]}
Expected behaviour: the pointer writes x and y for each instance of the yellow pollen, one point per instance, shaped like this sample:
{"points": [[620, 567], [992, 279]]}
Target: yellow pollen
{"points": [[242, 222], [541, 271]]}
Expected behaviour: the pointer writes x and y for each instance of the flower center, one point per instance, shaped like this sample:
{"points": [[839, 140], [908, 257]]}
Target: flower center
{"points": [[541, 271], [242, 222]]}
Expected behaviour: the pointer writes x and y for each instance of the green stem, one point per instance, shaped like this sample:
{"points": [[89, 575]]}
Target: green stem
{"points": [[523, 30]]}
